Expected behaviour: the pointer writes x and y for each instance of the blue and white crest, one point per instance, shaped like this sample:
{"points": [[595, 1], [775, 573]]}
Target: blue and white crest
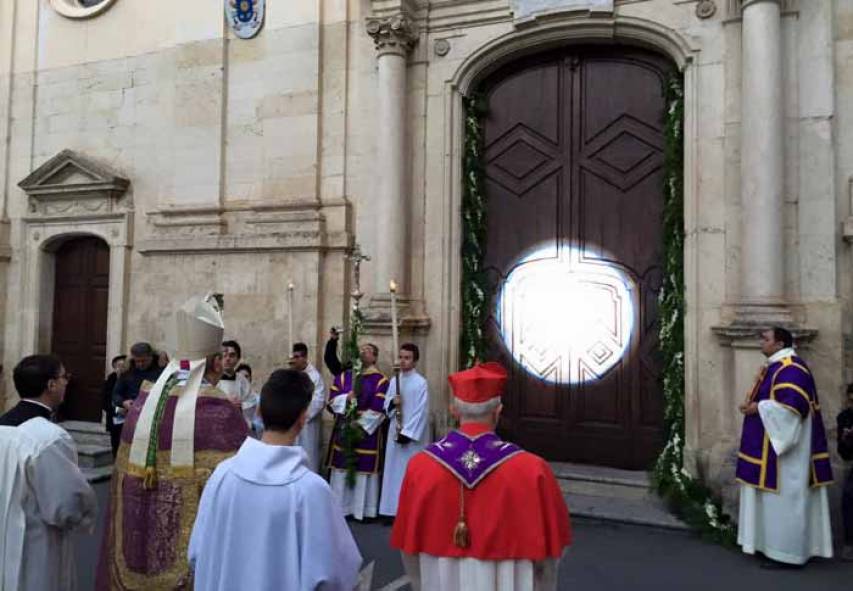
{"points": [[245, 16]]}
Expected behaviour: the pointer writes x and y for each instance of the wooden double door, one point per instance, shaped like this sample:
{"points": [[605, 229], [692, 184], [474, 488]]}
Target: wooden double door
{"points": [[79, 338], [574, 154]]}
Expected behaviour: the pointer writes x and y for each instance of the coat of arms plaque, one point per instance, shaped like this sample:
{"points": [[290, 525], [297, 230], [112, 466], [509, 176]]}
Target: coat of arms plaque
{"points": [[246, 17]]}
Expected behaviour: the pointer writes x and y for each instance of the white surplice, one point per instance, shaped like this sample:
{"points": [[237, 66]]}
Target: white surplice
{"points": [[265, 521], [428, 572], [415, 426], [240, 390], [43, 498], [790, 525], [311, 434]]}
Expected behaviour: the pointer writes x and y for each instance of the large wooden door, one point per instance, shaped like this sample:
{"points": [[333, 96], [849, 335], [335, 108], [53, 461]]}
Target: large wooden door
{"points": [[574, 168], [80, 323]]}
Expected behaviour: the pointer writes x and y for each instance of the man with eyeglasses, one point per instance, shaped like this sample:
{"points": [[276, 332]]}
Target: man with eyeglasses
{"points": [[44, 496], [311, 434], [42, 389]]}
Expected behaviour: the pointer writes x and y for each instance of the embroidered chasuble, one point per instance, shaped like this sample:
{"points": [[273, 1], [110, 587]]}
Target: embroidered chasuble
{"points": [[783, 466], [154, 501]]}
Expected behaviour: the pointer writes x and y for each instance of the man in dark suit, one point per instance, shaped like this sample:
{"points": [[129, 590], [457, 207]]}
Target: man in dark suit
{"points": [[40, 381], [119, 367]]}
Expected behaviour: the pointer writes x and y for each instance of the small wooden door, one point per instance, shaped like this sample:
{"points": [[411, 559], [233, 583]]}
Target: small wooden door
{"points": [[80, 323], [574, 166]]}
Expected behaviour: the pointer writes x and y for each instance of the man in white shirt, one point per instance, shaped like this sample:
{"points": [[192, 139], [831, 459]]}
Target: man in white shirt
{"points": [[265, 521], [311, 434], [408, 432], [43, 494]]}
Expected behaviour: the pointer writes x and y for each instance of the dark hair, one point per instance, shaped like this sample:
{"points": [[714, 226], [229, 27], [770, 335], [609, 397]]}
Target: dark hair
{"points": [[32, 374], [850, 388], [781, 335], [373, 348], [118, 358], [141, 349], [244, 367], [284, 398], [300, 348], [234, 345], [416, 353]]}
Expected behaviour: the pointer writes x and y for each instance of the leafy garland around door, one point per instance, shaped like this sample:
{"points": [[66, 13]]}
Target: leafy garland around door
{"points": [[688, 498], [474, 281]]}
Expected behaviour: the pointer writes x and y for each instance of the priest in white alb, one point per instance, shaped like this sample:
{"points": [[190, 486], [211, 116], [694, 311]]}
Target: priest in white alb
{"points": [[477, 513], [311, 434], [407, 406], [44, 496], [265, 521], [783, 463]]}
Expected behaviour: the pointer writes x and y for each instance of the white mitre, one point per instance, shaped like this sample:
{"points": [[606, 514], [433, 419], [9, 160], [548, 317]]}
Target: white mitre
{"points": [[197, 330], [196, 333]]}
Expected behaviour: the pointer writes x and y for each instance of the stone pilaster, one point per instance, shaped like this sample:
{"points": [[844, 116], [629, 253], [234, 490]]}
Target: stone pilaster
{"points": [[393, 36], [762, 297]]}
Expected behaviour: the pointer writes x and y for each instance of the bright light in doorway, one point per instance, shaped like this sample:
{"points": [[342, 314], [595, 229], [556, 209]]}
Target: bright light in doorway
{"points": [[565, 316]]}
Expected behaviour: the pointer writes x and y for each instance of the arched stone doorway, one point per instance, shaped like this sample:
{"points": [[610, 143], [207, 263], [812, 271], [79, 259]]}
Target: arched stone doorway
{"points": [[79, 322], [573, 161]]}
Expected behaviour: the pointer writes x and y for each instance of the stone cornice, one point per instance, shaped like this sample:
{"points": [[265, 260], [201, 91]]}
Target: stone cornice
{"points": [[395, 34]]}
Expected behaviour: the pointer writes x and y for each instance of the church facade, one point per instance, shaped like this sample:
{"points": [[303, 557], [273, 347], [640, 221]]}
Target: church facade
{"points": [[150, 152]]}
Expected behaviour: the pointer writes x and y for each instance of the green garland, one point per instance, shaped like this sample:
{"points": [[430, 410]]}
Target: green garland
{"points": [[474, 281], [687, 497], [351, 433]]}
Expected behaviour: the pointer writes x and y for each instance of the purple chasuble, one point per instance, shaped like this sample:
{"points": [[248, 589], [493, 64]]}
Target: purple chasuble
{"points": [[470, 459], [371, 396], [788, 382]]}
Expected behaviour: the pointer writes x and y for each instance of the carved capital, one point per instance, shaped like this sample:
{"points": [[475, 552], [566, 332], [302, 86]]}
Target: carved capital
{"points": [[393, 34]]}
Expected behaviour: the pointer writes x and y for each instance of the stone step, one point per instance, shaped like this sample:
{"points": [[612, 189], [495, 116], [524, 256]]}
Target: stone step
{"points": [[622, 511], [610, 494], [94, 456], [94, 475], [85, 433]]}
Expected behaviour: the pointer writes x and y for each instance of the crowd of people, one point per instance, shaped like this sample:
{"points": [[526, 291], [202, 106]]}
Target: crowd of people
{"points": [[217, 486]]}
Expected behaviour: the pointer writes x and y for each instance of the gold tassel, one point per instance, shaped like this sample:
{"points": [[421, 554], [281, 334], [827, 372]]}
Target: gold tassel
{"points": [[461, 534], [150, 480]]}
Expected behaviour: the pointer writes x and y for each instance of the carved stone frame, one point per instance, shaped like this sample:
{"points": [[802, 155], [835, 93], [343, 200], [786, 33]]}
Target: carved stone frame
{"points": [[71, 196], [69, 9]]}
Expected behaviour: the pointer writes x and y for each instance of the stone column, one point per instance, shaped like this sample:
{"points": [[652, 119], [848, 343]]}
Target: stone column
{"points": [[762, 296], [394, 37]]}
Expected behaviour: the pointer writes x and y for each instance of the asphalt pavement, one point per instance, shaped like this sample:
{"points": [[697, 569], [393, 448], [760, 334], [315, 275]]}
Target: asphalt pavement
{"points": [[603, 556]]}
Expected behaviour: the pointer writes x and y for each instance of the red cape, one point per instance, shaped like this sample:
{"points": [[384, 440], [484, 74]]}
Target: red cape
{"points": [[516, 512]]}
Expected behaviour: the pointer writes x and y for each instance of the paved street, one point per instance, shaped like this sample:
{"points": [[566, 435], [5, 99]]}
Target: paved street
{"points": [[603, 557]]}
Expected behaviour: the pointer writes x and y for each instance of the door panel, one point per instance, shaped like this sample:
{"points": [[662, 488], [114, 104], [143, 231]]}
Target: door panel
{"points": [[80, 323], [574, 176]]}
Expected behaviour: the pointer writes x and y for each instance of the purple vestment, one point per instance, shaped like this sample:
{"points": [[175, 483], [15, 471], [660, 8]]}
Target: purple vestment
{"points": [[790, 383], [471, 459], [371, 396]]}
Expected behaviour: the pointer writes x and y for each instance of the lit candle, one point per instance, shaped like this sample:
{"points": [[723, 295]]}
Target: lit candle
{"points": [[394, 336], [290, 316]]}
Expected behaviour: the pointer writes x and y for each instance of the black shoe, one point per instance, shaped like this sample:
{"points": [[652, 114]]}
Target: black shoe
{"points": [[386, 520]]}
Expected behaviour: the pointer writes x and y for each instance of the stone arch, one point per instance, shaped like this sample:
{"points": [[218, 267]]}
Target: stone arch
{"points": [[536, 37]]}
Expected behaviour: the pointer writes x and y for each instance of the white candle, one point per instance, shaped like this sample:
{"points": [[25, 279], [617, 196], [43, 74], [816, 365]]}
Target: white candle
{"points": [[290, 316], [394, 344]]}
